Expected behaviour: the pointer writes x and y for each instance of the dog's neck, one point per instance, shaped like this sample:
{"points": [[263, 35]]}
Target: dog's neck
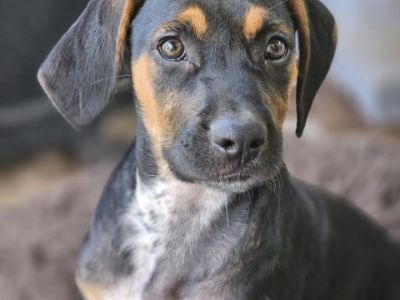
{"points": [[196, 205], [165, 204], [173, 225], [169, 218], [160, 193], [172, 221], [173, 202]]}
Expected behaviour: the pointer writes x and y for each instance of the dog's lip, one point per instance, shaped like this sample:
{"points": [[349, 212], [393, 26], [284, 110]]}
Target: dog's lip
{"points": [[231, 173], [231, 177], [231, 169], [236, 175]]}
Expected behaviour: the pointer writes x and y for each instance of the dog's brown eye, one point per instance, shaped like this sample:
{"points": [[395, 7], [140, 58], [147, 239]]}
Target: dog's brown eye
{"points": [[172, 49], [276, 49]]}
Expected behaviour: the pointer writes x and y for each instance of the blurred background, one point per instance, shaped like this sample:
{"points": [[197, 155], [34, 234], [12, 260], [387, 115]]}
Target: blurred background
{"points": [[51, 176]]}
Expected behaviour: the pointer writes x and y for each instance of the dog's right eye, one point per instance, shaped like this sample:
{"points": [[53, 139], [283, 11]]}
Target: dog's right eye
{"points": [[172, 49]]}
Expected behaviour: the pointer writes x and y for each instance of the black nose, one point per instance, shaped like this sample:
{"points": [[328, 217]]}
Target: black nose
{"points": [[235, 138]]}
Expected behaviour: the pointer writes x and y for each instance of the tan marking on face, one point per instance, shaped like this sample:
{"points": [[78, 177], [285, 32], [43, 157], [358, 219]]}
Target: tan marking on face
{"points": [[278, 101], [278, 107], [158, 119], [127, 13], [196, 17], [283, 28], [90, 292], [253, 21], [143, 80]]}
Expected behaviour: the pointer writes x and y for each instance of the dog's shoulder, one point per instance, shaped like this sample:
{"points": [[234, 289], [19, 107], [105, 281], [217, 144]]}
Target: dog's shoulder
{"points": [[99, 259], [350, 243], [342, 215], [119, 189]]}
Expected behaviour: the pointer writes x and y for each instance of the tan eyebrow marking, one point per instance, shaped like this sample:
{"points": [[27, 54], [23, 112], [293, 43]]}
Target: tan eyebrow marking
{"points": [[253, 21], [196, 17]]}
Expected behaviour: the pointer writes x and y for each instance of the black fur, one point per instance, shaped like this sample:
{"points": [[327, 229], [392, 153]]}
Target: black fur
{"points": [[277, 238]]}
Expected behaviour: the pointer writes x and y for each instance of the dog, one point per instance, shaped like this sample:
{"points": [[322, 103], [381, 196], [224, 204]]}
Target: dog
{"points": [[202, 206]]}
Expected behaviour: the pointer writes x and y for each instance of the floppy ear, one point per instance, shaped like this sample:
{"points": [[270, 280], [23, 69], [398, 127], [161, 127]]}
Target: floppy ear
{"points": [[80, 73], [317, 35]]}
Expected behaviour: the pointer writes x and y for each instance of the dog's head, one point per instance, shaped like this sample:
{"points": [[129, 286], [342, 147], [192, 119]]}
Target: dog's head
{"points": [[212, 78]]}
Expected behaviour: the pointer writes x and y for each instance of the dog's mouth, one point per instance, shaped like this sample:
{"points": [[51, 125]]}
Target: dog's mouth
{"points": [[231, 171], [234, 183], [232, 179]]}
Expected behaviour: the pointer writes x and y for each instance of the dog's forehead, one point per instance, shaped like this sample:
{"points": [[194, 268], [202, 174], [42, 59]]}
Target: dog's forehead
{"points": [[212, 15]]}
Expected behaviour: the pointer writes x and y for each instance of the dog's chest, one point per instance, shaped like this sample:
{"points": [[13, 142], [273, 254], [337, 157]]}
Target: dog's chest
{"points": [[163, 223]]}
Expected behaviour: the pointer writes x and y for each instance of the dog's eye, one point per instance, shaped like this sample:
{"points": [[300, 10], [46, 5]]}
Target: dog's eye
{"points": [[276, 49], [172, 49]]}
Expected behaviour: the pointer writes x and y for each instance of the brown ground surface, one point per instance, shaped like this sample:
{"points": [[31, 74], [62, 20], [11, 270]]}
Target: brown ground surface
{"points": [[47, 201]]}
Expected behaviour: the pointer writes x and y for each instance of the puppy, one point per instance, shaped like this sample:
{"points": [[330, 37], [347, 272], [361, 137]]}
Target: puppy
{"points": [[202, 206]]}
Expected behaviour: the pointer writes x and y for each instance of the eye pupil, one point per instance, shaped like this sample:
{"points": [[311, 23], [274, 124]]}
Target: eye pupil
{"points": [[276, 49], [172, 49]]}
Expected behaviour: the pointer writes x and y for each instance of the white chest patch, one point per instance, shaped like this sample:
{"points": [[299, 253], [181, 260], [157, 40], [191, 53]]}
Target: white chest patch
{"points": [[155, 211]]}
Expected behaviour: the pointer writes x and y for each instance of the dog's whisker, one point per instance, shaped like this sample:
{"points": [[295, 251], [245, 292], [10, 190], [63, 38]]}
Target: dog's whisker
{"points": [[277, 4], [227, 214]]}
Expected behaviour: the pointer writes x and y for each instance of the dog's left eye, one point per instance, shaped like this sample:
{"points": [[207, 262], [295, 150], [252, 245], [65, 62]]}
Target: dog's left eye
{"points": [[276, 49], [172, 49]]}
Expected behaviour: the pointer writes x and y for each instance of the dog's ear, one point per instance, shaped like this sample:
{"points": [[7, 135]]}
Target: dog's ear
{"points": [[317, 38], [80, 73]]}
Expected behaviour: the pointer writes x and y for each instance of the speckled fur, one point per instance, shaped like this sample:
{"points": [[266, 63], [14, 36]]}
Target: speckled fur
{"points": [[156, 214]]}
